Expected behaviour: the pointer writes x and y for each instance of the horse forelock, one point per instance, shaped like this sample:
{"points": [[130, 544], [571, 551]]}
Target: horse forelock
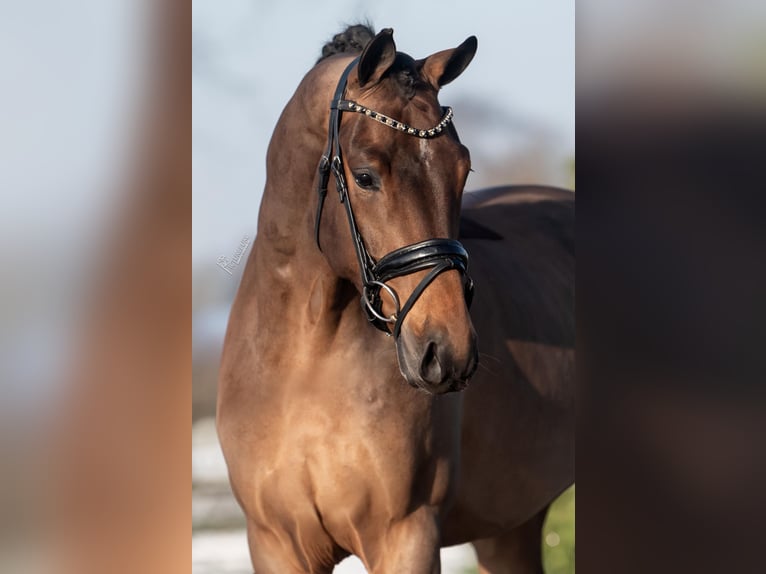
{"points": [[404, 72], [351, 41]]}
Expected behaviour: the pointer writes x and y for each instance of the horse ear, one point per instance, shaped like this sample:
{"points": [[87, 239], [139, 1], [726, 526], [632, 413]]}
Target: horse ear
{"points": [[377, 57], [443, 67]]}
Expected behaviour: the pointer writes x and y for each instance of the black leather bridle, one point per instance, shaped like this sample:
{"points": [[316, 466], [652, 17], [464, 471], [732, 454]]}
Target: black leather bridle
{"points": [[438, 255]]}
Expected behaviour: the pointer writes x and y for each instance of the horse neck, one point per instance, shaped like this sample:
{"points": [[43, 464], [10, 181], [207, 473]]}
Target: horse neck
{"points": [[286, 266]]}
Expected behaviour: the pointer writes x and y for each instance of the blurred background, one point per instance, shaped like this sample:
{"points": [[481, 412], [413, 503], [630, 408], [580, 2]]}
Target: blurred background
{"points": [[514, 109], [95, 337]]}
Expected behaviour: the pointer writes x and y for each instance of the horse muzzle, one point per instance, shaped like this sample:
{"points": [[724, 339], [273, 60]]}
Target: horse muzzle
{"points": [[434, 364]]}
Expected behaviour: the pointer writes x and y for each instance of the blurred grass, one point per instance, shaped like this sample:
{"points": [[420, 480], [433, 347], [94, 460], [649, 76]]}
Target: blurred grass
{"points": [[559, 535], [558, 538]]}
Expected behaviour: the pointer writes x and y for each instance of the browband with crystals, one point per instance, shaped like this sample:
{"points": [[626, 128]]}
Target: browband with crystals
{"points": [[351, 106]]}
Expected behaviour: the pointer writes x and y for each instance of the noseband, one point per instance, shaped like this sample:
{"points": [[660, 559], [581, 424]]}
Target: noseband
{"points": [[438, 255]]}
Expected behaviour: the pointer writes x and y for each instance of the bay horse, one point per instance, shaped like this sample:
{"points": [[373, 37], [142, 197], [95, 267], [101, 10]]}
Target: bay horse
{"points": [[351, 430]]}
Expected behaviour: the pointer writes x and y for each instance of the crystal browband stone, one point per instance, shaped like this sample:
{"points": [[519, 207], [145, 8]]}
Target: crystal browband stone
{"points": [[351, 106]]}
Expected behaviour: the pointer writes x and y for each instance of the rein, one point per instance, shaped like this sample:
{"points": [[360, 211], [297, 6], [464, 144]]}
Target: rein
{"points": [[438, 255]]}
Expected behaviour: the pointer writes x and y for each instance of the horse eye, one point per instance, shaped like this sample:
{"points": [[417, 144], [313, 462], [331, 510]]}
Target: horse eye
{"points": [[363, 179]]}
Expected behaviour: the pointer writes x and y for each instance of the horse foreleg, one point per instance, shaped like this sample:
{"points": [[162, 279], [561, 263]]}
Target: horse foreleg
{"points": [[518, 551], [271, 555], [409, 545]]}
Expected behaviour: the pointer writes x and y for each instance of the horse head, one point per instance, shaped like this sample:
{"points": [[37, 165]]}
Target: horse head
{"points": [[398, 161]]}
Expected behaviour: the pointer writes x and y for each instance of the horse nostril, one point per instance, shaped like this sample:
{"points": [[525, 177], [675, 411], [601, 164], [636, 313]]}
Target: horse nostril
{"points": [[430, 367]]}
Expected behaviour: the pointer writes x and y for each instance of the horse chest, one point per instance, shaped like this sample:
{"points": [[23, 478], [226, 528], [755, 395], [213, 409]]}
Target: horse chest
{"points": [[356, 454]]}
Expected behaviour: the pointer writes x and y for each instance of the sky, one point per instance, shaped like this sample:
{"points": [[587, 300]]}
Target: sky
{"points": [[249, 56]]}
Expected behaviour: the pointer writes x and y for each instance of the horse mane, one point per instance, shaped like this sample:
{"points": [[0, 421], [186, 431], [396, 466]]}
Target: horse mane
{"points": [[351, 41]]}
